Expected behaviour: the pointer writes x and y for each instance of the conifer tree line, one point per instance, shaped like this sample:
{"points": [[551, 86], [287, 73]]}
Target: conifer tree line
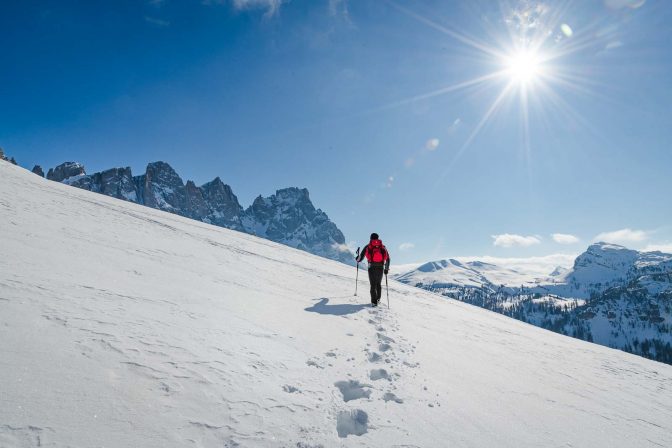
{"points": [[573, 318], [4, 157]]}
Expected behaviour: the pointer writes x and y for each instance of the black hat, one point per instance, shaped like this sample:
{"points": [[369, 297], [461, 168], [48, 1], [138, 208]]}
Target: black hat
{"points": [[374, 236]]}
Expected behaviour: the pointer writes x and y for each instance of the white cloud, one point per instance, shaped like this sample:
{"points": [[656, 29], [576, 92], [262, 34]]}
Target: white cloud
{"points": [[619, 4], [530, 19], [613, 44], [157, 22], [406, 246], [511, 240], [339, 8], [341, 247], [622, 236], [663, 247], [271, 6], [565, 238]]}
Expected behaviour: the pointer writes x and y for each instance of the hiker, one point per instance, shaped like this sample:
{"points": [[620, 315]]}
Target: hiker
{"points": [[379, 263]]}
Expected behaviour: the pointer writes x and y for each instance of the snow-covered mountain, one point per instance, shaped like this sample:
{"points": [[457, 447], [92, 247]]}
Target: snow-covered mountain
{"points": [[604, 265], [445, 274], [612, 295], [290, 218], [122, 325], [287, 217]]}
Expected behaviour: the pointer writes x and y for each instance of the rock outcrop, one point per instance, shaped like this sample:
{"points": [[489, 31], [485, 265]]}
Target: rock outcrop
{"points": [[37, 169], [65, 171], [223, 207]]}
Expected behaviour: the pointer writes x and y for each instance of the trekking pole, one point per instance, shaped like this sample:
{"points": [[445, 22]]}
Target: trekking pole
{"points": [[357, 275], [387, 289]]}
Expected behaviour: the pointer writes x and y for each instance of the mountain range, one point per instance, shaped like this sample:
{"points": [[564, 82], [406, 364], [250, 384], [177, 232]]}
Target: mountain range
{"points": [[612, 295], [288, 217]]}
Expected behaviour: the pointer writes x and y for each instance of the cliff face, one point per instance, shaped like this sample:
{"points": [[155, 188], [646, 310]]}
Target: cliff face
{"points": [[223, 208], [289, 217]]}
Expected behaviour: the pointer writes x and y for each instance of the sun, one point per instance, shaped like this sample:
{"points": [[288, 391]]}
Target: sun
{"points": [[523, 66]]}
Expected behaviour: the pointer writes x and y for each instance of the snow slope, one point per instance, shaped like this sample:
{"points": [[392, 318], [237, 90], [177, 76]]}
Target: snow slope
{"points": [[124, 326]]}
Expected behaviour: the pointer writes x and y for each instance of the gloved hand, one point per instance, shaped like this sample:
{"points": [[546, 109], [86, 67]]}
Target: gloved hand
{"points": [[385, 271]]}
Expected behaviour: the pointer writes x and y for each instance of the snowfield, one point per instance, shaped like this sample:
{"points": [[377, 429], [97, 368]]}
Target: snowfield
{"points": [[125, 326]]}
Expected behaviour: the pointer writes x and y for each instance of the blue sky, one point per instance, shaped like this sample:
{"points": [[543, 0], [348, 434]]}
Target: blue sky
{"points": [[374, 106]]}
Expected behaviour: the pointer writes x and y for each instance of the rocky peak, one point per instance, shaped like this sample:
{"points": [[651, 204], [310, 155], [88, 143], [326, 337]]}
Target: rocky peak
{"points": [[216, 189], [162, 173], [289, 217], [293, 195], [115, 182], [118, 183], [163, 189], [37, 169], [223, 206], [65, 171], [196, 206]]}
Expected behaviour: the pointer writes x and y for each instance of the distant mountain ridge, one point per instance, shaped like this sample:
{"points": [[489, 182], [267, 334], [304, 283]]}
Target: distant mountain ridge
{"points": [[612, 295], [288, 217], [452, 272]]}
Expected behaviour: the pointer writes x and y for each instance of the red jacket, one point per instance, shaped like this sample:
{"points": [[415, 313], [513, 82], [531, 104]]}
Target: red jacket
{"points": [[376, 254]]}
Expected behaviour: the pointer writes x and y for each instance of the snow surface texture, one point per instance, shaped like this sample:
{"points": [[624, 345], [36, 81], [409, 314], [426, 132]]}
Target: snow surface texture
{"points": [[124, 326]]}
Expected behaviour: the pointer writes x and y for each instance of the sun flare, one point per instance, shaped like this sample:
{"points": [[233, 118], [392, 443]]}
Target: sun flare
{"points": [[523, 66]]}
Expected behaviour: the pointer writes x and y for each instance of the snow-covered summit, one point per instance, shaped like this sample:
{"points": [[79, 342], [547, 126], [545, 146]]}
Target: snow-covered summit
{"points": [[604, 265], [451, 272], [123, 325], [559, 272], [601, 263]]}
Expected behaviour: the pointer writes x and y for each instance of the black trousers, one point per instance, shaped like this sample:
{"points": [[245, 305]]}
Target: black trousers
{"points": [[375, 278]]}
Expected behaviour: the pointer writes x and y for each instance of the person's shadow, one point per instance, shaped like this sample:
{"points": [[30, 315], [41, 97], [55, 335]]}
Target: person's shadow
{"points": [[340, 309]]}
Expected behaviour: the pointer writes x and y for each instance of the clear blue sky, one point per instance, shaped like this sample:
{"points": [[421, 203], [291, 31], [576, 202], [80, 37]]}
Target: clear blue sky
{"points": [[334, 96]]}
